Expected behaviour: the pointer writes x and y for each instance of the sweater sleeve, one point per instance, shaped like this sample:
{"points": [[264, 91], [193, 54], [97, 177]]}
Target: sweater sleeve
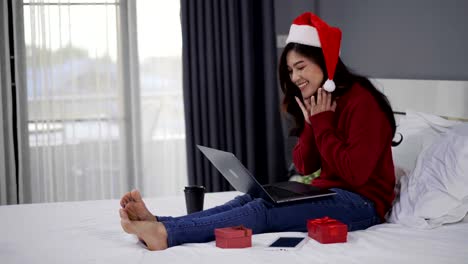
{"points": [[355, 157], [306, 157]]}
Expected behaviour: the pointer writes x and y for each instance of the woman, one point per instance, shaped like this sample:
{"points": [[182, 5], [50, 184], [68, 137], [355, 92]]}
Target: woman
{"points": [[345, 128]]}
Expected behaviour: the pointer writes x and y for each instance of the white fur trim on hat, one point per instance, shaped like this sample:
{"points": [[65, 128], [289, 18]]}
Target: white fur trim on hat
{"points": [[304, 34]]}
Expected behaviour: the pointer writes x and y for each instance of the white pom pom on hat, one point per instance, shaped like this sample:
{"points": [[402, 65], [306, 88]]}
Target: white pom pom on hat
{"points": [[309, 29], [329, 85]]}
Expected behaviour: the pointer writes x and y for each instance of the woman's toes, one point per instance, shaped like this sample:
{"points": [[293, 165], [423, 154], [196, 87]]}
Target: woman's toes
{"points": [[126, 223], [123, 214], [127, 226]]}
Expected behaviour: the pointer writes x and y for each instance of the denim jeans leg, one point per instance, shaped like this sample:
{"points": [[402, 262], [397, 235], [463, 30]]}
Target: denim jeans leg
{"points": [[236, 202], [261, 216], [350, 208], [197, 230]]}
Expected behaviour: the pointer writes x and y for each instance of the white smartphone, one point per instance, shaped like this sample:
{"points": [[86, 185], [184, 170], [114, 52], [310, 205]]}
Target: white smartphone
{"points": [[287, 243]]}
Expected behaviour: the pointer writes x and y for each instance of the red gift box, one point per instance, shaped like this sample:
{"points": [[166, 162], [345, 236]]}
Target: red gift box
{"points": [[327, 230], [233, 237]]}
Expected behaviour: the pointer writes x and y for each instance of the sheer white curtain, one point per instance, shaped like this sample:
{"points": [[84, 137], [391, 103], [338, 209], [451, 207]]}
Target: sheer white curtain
{"points": [[75, 100], [162, 110], [92, 101]]}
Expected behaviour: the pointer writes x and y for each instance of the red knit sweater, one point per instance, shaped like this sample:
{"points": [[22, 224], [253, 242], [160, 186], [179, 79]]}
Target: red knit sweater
{"points": [[352, 146]]}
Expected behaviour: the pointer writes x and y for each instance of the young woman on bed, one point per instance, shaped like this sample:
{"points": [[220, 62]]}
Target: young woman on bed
{"points": [[345, 127]]}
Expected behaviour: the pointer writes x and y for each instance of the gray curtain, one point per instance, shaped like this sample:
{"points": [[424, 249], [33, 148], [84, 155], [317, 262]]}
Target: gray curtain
{"points": [[12, 188], [231, 93]]}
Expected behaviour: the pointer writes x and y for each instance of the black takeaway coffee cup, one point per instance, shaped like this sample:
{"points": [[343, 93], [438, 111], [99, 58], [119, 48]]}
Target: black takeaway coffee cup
{"points": [[194, 196]]}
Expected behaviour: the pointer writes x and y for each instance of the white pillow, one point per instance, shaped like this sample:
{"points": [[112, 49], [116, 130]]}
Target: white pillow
{"points": [[436, 192], [419, 131]]}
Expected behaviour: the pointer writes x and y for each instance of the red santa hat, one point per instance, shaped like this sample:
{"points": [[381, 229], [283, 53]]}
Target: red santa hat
{"points": [[309, 29]]}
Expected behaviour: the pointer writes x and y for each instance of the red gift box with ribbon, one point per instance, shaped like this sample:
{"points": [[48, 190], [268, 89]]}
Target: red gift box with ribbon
{"points": [[327, 230], [233, 237]]}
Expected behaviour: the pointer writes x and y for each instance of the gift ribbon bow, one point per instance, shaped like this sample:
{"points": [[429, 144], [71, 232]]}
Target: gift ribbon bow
{"points": [[327, 220], [324, 220], [241, 227]]}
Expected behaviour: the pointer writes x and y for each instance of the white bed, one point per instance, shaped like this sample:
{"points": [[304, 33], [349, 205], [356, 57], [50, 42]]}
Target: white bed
{"points": [[90, 232]]}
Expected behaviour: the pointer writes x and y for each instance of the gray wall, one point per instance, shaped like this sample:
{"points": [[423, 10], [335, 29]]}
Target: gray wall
{"points": [[287, 10], [406, 39]]}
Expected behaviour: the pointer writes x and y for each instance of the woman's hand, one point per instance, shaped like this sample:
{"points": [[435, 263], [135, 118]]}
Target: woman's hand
{"points": [[312, 107]]}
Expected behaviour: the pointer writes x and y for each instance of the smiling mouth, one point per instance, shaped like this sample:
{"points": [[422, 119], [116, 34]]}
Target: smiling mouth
{"points": [[302, 85]]}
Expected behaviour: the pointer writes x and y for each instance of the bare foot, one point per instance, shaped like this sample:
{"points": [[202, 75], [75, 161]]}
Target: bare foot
{"points": [[134, 206], [153, 234]]}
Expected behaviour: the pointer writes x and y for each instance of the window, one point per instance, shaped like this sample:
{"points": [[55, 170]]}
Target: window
{"points": [[79, 114]]}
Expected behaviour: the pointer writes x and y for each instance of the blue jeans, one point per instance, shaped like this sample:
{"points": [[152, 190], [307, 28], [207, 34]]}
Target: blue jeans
{"points": [[262, 216]]}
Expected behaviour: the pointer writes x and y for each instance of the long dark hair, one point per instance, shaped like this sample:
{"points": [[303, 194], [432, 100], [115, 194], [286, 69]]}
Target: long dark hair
{"points": [[343, 79]]}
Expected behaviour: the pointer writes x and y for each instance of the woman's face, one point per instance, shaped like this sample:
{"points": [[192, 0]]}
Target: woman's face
{"points": [[304, 73]]}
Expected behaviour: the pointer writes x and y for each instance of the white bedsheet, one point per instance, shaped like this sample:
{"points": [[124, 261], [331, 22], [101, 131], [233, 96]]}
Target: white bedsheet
{"points": [[90, 232]]}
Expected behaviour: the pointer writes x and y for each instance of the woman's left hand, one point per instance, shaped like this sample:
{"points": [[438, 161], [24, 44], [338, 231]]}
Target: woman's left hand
{"points": [[323, 103]]}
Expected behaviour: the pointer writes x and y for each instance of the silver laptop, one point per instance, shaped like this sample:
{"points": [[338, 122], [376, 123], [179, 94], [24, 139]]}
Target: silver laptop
{"points": [[243, 181]]}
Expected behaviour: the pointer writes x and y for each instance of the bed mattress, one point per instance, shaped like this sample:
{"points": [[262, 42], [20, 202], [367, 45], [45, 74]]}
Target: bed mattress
{"points": [[90, 232]]}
